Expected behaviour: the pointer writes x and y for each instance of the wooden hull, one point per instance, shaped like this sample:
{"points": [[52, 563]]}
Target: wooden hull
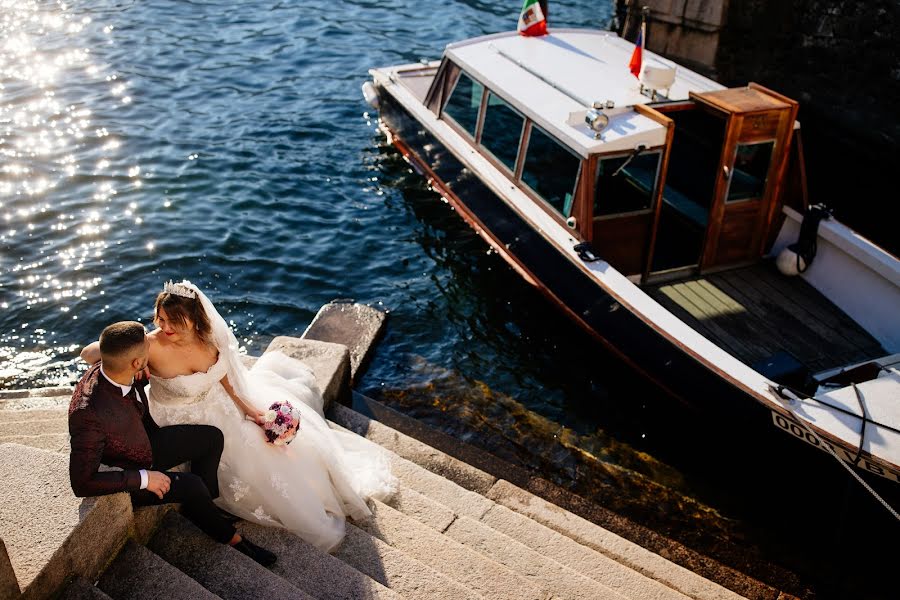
{"points": [[700, 385]]}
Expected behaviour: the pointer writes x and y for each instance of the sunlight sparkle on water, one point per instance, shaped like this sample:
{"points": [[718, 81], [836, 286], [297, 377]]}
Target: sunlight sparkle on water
{"points": [[60, 176]]}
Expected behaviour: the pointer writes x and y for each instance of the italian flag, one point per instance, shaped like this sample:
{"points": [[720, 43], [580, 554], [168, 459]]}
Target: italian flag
{"points": [[532, 21]]}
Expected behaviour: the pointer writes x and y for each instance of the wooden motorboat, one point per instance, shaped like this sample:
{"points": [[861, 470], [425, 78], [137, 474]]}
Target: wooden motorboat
{"points": [[651, 211]]}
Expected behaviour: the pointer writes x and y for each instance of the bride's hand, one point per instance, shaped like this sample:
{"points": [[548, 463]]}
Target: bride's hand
{"points": [[258, 417]]}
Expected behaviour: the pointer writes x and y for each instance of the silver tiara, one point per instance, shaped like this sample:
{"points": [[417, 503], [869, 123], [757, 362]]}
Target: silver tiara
{"points": [[179, 289]]}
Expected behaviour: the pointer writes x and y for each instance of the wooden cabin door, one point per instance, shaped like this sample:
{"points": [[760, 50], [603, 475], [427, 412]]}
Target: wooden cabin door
{"points": [[683, 213], [750, 173]]}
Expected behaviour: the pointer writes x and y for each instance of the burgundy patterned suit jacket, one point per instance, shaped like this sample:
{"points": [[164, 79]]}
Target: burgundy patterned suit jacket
{"points": [[108, 428]]}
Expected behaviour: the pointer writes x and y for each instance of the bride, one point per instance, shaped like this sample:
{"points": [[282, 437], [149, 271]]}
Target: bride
{"points": [[197, 377]]}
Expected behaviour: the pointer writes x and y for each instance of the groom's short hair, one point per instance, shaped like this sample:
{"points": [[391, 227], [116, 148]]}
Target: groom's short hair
{"points": [[118, 340]]}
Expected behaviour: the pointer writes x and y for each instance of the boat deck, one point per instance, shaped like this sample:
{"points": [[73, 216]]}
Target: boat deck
{"points": [[418, 80], [755, 312]]}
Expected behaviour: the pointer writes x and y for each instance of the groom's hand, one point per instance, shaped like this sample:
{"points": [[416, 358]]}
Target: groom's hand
{"points": [[158, 483]]}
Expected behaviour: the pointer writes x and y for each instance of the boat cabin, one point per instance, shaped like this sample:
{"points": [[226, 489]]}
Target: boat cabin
{"points": [[678, 181]]}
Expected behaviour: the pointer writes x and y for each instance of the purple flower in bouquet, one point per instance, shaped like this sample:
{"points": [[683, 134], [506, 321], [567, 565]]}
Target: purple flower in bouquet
{"points": [[281, 423]]}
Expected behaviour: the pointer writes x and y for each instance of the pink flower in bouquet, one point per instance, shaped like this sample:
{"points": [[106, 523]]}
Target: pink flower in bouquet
{"points": [[281, 423]]}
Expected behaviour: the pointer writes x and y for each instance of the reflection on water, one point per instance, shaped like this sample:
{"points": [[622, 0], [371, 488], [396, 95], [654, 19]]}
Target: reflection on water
{"points": [[64, 188]]}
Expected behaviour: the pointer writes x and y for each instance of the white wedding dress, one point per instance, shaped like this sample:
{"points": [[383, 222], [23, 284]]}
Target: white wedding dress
{"points": [[308, 486]]}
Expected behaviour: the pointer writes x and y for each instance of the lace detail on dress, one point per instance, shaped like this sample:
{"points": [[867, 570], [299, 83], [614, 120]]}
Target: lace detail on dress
{"points": [[187, 389]]}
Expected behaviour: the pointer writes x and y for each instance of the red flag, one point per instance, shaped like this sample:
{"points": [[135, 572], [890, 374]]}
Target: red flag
{"points": [[532, 20], [634, 65]]}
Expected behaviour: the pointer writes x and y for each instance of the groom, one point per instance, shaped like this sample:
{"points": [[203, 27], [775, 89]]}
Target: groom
{"points": [[110, 423]]}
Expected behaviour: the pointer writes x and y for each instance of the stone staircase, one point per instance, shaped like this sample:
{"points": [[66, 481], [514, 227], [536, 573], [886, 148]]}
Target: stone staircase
{"points": [[452, 531], [434, 539]]}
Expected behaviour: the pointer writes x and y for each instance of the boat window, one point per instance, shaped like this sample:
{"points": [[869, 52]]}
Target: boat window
{"points": [[626, 184], [550, 170], [465, 102], [751, 167], [502, 130]]}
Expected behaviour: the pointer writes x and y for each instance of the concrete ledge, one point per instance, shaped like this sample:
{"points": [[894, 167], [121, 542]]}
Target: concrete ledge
{"points": [[50, 534], [329, 362], [354, 325]]}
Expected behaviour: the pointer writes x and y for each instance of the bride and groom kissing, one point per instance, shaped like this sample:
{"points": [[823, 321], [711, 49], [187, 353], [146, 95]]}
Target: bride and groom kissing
{"points": [[181, 394]]}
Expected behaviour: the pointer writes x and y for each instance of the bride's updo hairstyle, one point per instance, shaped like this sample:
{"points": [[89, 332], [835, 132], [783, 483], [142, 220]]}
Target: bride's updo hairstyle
{"points": [[181, 308]]}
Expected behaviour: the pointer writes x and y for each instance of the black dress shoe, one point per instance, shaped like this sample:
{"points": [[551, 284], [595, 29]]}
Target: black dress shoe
{"points": [[260, 555]]}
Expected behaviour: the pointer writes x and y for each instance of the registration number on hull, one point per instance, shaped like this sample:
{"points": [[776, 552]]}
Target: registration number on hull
{"points": [[800, 432]]}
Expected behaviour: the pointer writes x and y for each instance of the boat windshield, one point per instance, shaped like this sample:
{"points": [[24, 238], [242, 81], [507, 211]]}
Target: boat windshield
{"points": [[465, 102], [550, 170], [502, 130]]}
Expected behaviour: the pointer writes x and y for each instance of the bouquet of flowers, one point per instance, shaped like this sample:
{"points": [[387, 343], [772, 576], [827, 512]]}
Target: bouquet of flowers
{"points": [[281, 423]]}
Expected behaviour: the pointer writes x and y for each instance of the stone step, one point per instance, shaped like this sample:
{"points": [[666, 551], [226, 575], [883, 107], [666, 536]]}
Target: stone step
{"points": [[414, 476], [57, 443], [451, 483], [79, 589], [10, 415], [318, 573], [28, 427], [36, 399], [139, 574], [475, 571], [440, 463], [397, 570], [45, 428], [356, 326], [582, 559], [547, 542], [219, 568], [543, 571], [59, 536], [508, 550], [592, 536], [423, 509]]}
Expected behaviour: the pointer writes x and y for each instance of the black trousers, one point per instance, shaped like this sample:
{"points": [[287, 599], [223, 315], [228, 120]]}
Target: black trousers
{"points": [[201, 445]]}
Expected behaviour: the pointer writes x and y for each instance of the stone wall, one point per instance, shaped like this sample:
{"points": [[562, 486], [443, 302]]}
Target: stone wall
{"points": [[839, 58]]}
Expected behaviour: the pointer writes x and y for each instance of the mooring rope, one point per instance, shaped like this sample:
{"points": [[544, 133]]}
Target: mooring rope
{"points": [[786, 399]]}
